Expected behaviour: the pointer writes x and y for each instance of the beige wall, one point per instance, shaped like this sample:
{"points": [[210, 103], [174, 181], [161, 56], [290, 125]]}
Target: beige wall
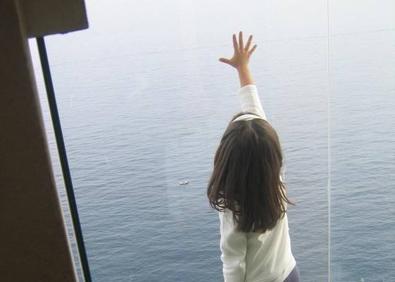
{"points": [[33, 242]]}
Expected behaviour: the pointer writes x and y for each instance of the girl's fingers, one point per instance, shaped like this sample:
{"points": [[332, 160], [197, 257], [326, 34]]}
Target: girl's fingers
{"points": [[235, 43], [241, 46], [252, 50], [226, 61], [248, 43]]}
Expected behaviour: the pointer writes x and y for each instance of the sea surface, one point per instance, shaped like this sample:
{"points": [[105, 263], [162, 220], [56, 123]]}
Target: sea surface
{"points": [[144, 101]]}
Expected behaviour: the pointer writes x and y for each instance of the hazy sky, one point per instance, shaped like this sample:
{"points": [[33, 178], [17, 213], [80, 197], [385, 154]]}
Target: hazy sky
{"points": [[276, 18], [125, 27]]}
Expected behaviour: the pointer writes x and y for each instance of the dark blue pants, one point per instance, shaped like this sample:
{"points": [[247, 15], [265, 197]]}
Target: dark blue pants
{"points": [[293, 276]]}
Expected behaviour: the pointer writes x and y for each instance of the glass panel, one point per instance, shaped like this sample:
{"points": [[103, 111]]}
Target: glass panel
{"points": [[362, 141], [143, 102]]}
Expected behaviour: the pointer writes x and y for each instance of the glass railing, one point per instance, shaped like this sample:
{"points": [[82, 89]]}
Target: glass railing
{"points": [[143, 102]]}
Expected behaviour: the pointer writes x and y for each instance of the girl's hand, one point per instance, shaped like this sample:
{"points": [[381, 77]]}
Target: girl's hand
{"points": [[242, 54]]}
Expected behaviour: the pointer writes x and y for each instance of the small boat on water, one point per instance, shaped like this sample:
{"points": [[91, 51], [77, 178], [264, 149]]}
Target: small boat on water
{"points": [[185, 182]]}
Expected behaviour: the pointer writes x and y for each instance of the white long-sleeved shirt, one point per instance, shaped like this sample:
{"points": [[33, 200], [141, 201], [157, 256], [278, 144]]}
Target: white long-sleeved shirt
{"points": [[251, 256]]}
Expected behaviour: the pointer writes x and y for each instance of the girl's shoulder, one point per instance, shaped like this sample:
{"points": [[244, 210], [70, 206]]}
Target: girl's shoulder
{"points": [[227, 217]]}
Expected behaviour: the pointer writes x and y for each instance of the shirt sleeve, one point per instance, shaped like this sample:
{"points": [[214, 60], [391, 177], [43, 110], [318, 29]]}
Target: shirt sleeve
{"points": [[233, 246], [250, 101]]}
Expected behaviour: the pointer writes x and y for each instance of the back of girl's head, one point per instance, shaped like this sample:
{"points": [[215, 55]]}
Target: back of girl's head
{"points": [[246, 175]]}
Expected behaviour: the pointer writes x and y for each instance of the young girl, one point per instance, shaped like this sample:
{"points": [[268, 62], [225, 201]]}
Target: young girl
{"points": [[247, 189]]}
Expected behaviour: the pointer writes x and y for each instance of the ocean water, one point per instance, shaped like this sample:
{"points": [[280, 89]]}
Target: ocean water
{"points": [[144, 101]]}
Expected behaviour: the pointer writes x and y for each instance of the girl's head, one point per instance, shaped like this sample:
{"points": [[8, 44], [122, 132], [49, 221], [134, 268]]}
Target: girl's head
{"points": [[246, 175]]}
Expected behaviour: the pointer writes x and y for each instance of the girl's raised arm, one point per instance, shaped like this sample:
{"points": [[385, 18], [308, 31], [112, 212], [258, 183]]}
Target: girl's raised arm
{"points": [[249, 100], [248, 92], [240, 59]]}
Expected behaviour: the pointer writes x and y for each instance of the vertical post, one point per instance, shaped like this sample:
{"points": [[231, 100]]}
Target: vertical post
{"points": [[63, 157]]}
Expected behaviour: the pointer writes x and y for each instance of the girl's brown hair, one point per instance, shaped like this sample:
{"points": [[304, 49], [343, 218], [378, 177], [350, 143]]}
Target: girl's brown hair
{"points": [[246, 175]]}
